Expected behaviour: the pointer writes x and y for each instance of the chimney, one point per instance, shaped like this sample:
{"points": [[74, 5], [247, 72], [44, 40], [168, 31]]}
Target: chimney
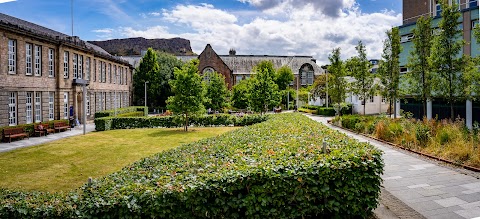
{"points": [[232, 52]]}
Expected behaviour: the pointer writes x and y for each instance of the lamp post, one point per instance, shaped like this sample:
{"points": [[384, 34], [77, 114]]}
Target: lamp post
{"points": [[115, 92], [326, 83], [146, 82], [298, 79]]}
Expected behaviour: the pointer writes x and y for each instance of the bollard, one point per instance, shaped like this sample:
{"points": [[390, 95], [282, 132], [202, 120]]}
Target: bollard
{"points": [[324, 147], [89, 181]]}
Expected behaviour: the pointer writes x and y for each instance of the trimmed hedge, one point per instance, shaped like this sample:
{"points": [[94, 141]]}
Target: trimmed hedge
{"points": [[111, 123], [325, 111], [120, 111], [30, 127], [269, 170]]}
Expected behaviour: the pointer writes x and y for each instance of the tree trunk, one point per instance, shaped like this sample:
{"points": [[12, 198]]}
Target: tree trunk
{"points": [[395, 108], [452, 115], [186, 122]]}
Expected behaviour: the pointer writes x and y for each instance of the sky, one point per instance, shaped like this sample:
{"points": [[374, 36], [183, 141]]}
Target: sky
{"points": [[251, 27]]}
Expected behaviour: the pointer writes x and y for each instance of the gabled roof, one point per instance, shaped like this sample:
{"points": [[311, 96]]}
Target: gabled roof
{"points": [[243, 64]]}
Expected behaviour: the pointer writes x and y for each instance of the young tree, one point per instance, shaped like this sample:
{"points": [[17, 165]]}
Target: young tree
{"points": [[319, 87], [148, 70], [419, 78], [337, 85], [389, 70], [446, 63], [188, 91], [240, 95], [263, 91], [363, 85], [216, 96], [284, 77]]}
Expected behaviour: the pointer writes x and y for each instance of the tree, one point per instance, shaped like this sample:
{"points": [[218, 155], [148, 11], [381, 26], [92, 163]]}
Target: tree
{"points": [[419, 78], [470, 78], [263, 91], [284, 77], [445, 60], [216, 96], [359, 67], [188, 91], [337, 85], [389, 70], [240, 95], [167, 64], [148, 70], [319, 87]]}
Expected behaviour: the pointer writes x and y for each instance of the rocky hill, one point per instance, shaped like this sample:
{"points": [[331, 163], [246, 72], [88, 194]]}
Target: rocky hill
{"points": [[134, 46]]}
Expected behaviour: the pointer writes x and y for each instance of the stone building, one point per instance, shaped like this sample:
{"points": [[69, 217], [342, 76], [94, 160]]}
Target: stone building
{"points": [[239, 67], [41, 72]]}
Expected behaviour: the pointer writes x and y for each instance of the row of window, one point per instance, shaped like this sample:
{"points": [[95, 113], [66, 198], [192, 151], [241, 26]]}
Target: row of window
{"points": [[81, 66], [469, 4], [33, 105]]}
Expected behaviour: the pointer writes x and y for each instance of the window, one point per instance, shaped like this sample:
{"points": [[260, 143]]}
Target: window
{"points": [[121, 76], [38, 60], [87, 68], [75, 69], [80, 67], [28, 59], [307, 74], [110, 73], [88, 104], [12, 57], [474, 23], [309, 78], [473, 3], [94, 70], [371, 99], [115, 74], [28, 107], [65, 64], [65, 105], [51, 102], [238, 78], [104, 72], [384, 99], [51, 63], [438, 8], [403, 70], [12, 109], [38, 106]]}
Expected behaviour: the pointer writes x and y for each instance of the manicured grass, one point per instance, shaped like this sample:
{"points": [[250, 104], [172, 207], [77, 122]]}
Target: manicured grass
{"points": [[66, 164]]}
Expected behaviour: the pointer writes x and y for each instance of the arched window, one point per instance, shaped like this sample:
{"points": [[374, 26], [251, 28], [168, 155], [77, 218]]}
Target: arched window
{"points": [[306, 74], [207, 72]]}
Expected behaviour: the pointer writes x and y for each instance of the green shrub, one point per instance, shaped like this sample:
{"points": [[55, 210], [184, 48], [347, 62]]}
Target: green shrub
{"points": [[268, 170], [111, 123], [132, 114], [110, 113], [444, 136], [422, 133]]}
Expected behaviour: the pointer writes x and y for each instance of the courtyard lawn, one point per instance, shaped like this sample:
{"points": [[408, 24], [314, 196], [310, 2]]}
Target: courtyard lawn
{"points": [[66, 164]]}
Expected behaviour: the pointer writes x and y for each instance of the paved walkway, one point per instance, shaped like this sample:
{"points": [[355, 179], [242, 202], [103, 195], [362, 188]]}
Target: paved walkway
{"points": [[4, 147], [432, 190]]}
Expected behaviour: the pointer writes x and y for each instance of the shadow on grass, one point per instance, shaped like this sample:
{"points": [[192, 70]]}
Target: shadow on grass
{"points": [[175, 132]]}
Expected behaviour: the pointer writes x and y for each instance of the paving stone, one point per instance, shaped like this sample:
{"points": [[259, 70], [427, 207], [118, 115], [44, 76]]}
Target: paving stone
{"points": [[469, 213], [471, 205], [443, 211], [418, 186], [470, 197], [431, 192], [448, 202]]}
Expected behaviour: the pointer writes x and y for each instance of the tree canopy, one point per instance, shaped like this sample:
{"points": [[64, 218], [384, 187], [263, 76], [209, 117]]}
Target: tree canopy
{"points": [[240, 95], [284, 77], [216, 92], [263, 91], [337, 85], [188, 91], [359, 68]]}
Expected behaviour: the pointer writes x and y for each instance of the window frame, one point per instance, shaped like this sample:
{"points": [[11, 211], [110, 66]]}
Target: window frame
{"points": [[12, 56], [65, 105], [51, 106], [66, 59], [28, 59], [37, 54], [51, 63], [29, 108], [12, 109], [38, 106]]}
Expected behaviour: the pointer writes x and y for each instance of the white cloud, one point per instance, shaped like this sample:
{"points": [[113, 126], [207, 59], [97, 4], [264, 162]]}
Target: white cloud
{"points": [[5, 1], [295, 31], [106, 30]]}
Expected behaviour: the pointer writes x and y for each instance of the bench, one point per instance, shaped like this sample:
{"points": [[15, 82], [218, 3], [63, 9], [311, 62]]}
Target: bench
{"points": [[43, 128], [61, 126], [14, 133]]}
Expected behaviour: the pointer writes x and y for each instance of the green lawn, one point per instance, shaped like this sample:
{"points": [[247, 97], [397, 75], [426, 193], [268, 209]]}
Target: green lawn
{"points": [[66, 164]]}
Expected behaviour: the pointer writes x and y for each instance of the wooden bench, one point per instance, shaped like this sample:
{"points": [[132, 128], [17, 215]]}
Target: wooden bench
{"points": [[43, 128], [14, 133], [61, 126]]}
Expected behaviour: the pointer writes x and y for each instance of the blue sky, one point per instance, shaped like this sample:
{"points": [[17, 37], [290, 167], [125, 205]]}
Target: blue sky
{"points": [[276, 27]]}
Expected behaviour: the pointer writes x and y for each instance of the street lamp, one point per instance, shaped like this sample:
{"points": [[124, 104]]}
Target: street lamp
{"points": [[115, 92], [146, 82]]}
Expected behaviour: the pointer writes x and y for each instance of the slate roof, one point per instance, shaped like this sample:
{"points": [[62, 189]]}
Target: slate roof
{"points": [[19, 24], [243, 64]]}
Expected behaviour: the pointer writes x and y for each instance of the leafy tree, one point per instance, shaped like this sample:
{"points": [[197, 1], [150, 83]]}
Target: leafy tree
{"points": [[263, 91], [337, 85], [156, 68], [359, 67], [319, 87], [419, 78], [284, 77], [470, 78], [445, 60], [188, 91], [216, 96], [167, 64], [148, 70], [240, 95], [389, 70]]}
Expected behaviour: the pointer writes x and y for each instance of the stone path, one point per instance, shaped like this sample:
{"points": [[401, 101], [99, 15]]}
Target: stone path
{"points": [[4, 147], [432, 190]]}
